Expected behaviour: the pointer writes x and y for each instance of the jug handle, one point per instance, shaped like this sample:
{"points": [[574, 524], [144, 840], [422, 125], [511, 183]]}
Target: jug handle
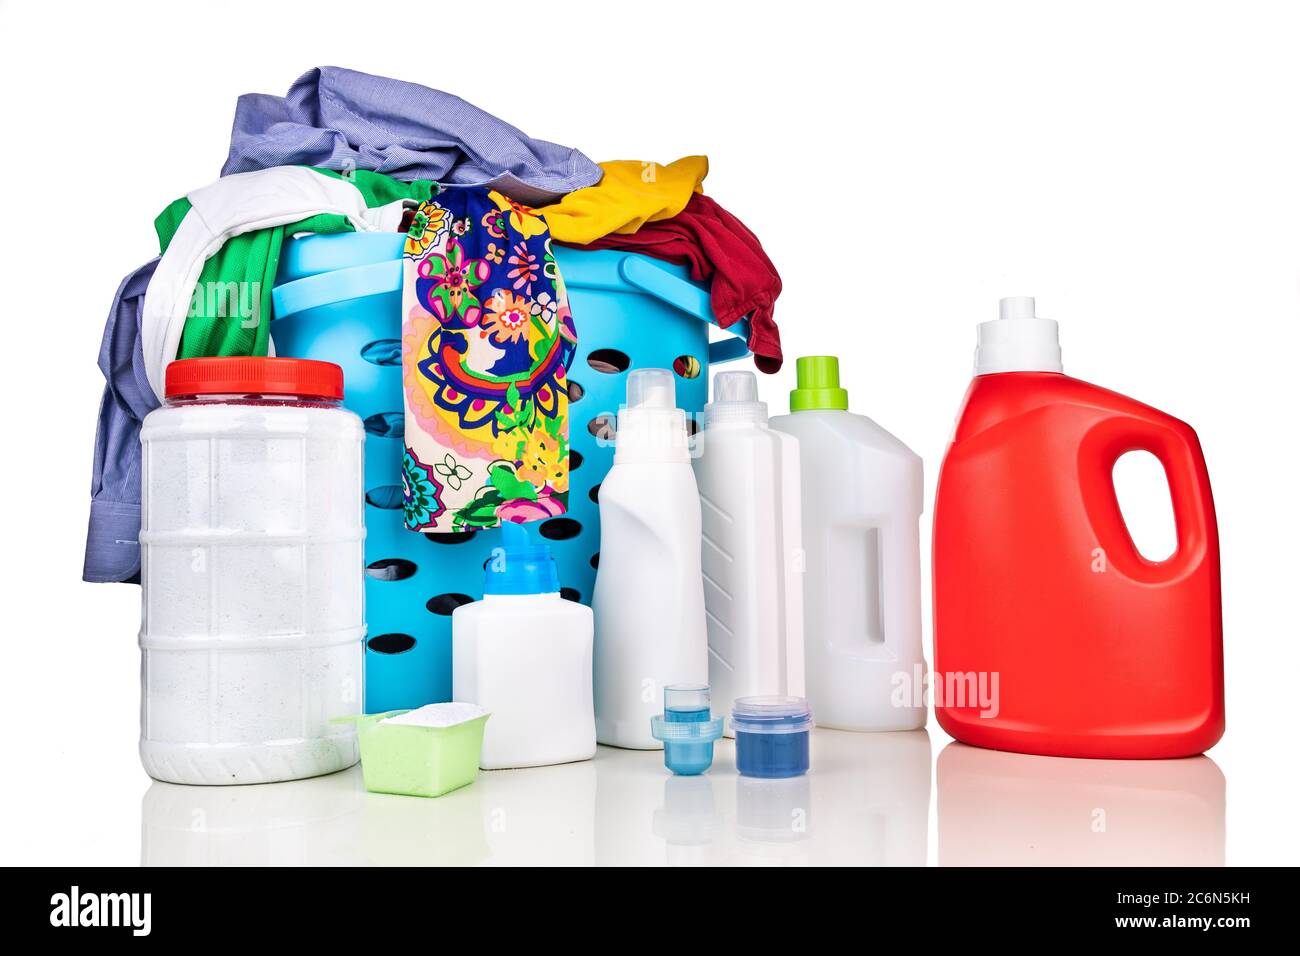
{"points": [[1175, 445], [896, 559]]}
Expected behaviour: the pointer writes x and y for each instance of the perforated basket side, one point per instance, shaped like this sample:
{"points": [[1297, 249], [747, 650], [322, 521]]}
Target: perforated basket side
{"points": [[415, 581]]}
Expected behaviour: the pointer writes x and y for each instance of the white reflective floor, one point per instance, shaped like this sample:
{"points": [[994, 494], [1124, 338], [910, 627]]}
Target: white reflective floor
{"points": [[867, 801]]}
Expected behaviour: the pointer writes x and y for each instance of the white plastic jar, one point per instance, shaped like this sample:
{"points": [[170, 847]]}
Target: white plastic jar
{"points": [[252, 567]]}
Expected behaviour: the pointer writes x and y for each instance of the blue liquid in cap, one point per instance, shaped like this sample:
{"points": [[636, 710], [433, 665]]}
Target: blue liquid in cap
{"points": [[687, 729], [687, 759], [771, 736], [771, 755], [686, 715]]}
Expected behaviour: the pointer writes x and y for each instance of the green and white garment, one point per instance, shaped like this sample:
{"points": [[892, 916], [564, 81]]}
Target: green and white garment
{"points": [[211, 291]]}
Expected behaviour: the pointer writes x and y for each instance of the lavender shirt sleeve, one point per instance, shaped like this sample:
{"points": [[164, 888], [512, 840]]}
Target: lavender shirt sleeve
{"points": [[113, 539]]}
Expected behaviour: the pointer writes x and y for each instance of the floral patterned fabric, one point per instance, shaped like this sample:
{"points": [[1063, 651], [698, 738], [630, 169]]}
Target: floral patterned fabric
{"points": [[487, 339]]}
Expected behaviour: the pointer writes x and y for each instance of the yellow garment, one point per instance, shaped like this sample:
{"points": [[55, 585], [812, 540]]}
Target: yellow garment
{"points": [[630, 194]]}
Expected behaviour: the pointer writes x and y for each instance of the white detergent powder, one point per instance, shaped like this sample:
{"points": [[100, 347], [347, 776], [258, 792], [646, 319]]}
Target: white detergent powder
{"points": [[438, 715], [252, 566]]}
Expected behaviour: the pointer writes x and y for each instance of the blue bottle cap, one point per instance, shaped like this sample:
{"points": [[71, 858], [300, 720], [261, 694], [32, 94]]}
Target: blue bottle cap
{"points": [[772, 736], [520, 567], [687, 728], [771, 715]]}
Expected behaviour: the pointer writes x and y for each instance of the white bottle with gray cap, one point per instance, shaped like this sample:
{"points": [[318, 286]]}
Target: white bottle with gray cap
{"points": [[748, 475]]}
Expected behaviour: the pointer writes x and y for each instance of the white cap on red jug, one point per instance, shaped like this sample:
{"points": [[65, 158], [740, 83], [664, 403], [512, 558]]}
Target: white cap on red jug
{"points": [[1017, 340]]}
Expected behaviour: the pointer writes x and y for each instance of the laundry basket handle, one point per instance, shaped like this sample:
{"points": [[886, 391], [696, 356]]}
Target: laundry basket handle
{"points": [[653, 279]]}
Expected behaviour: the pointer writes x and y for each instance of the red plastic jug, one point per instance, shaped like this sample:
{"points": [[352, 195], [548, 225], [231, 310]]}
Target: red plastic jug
{"points": [[1052, 633]]}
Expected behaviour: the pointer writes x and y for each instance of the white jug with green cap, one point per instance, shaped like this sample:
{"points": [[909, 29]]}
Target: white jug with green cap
{"points": [[862, 501]]}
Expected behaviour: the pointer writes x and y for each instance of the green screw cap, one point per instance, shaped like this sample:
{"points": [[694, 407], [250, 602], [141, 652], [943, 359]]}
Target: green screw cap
{"points": [[818, 378]]}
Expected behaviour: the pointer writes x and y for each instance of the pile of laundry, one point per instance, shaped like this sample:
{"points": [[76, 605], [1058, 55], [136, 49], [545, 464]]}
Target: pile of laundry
{"points": [[344, 151]]}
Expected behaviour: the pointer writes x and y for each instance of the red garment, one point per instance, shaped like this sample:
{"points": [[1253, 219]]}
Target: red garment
{"points": [[716, 246]]}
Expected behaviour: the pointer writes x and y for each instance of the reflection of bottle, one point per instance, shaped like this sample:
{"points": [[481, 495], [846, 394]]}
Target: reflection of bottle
{"points": [[748, 475], [688, 822], [773, 810], [629, 792], [1009, 809], [543, 817], [524, 654], [313, 822], [862, 493], [649, 596], [878, 797], [1101, 652]]}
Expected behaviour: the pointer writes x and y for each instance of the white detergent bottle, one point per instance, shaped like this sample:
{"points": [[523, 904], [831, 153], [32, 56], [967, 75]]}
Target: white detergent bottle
{"points": [[862, 494], [748, 476], [523, 653], [649, 596]]}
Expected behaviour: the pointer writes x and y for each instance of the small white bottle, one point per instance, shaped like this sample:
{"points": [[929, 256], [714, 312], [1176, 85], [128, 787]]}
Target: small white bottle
{"points": [[748, 475], [649, 596], [524, 654], [862, 494]]}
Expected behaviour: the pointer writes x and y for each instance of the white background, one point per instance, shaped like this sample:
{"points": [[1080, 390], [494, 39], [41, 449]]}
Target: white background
{"points": [[1136, 166]]}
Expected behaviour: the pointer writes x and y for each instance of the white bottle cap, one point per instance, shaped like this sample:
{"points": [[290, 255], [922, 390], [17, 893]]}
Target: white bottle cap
{"points": [[651, 388], [651, 428], [1018, 340], [735, 399]]}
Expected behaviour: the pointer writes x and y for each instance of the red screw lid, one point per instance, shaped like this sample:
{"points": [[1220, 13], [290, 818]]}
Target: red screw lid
{"points": [[254, 374]]}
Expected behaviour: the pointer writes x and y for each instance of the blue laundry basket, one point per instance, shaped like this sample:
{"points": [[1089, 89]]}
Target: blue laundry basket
{"points": [[338, 298]]}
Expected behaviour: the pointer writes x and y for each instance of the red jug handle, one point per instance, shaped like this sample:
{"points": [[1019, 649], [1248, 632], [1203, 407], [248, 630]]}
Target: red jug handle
{"points": [[1176, 446]]}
